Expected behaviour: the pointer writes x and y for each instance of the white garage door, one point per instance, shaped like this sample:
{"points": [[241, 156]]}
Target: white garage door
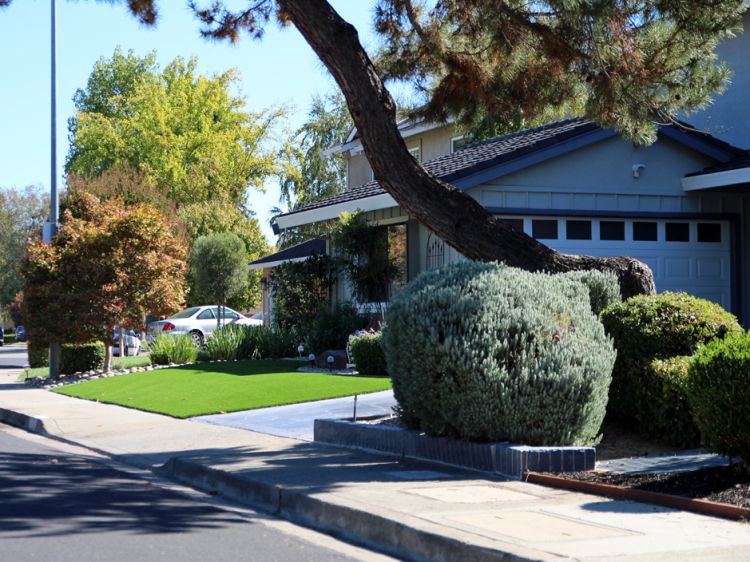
{"points": [[685, 255]]}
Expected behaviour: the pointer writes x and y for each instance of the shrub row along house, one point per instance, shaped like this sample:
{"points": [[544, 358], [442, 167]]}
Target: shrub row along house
{"points": [[680, 205]]}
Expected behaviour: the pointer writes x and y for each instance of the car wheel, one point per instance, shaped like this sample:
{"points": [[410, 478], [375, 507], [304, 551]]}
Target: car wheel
{"points": [[197, 338]]}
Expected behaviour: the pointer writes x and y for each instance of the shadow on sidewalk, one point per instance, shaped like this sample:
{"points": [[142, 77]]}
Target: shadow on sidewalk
{"points": [[315, 468]]}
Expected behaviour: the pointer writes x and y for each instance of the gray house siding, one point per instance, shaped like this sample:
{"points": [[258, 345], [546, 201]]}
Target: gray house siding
{"points": [[597, 181]]}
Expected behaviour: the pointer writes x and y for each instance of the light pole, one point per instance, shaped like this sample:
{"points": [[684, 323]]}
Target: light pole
{"points": [[50, 228]]}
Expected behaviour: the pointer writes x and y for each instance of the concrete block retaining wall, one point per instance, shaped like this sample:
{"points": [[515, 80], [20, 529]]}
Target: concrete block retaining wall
{"points": [[503, 458]]}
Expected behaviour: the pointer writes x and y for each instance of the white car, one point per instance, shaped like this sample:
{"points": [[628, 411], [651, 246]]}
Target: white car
{"points": [[198, 322]]}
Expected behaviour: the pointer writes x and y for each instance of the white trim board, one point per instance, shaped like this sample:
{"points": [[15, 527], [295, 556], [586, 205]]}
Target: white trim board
{"points": [[717, 179], [372, 203]]}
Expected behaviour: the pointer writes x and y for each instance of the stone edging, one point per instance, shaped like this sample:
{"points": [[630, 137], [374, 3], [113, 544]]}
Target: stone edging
{"points": [[66, 380], [503, 458]]}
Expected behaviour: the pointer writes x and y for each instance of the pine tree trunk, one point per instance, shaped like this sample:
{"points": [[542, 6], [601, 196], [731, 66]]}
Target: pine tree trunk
{"points": [[449, 213]]}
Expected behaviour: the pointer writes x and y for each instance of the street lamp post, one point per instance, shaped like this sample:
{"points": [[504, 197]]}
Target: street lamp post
{"points": [[50, 228]]}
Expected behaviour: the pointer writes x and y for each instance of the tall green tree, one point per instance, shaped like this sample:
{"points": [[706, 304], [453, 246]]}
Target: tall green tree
{"points": [[306, 175], [220, 269], [178, 140], [22, 214], [186, 132]]}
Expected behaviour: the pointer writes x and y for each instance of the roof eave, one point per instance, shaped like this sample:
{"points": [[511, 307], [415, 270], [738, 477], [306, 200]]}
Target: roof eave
{"points": [[725, 178], [328, 212]]}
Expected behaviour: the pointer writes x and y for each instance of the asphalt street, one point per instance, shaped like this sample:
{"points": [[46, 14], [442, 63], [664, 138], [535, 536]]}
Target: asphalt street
{"points": [[64, 506]]}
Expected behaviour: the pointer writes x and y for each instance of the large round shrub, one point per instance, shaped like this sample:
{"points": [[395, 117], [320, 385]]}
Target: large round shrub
{"points": [[718, 389], [648, 327], [481, 351]]}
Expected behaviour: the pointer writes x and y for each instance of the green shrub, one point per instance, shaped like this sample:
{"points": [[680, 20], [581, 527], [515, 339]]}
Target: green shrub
{"points": [[482, 351], [331, 328], [603, 288], [648, 327], [77, 358], [718, 389], [225, 344], [38, 355], [173, 349], [260, 342], [367, 353], [669, 411]]}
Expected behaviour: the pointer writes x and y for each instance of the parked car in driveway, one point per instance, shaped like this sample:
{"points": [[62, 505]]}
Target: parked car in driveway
{"points": [[131, 343], [20, 333], [198, 322]]}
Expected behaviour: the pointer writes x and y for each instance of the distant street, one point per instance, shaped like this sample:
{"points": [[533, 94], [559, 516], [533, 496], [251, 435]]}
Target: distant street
{"points": [[13, 356], [64, 507]]}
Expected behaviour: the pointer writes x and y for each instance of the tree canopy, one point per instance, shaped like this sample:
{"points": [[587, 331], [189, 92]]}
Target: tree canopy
{"points": [[186, 132], [109, 265], [219, 266], [307, 175], [22, 213]]}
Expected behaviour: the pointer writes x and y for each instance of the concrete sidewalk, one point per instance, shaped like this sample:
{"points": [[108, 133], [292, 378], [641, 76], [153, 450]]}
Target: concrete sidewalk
{"points": [[413, 510]]}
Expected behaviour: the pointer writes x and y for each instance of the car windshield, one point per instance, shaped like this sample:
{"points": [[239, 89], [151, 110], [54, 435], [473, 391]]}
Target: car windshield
{"points": [[187, 313]]}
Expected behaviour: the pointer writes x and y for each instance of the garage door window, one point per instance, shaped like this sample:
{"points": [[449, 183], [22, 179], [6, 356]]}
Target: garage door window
{"points": [[678, 232], [544, 229], [645, 231], [578, 230], [612, 230], [709, 232]]}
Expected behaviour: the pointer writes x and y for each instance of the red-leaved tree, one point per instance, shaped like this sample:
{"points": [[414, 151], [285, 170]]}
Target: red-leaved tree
{"points": [[108, 266]]}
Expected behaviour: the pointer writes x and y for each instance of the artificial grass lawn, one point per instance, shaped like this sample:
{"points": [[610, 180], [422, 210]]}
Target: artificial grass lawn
{"points": [[117, 363], [210, 388]]}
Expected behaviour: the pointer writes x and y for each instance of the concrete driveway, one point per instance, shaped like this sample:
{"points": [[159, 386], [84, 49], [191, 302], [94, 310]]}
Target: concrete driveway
{"points": [[296, 420]]}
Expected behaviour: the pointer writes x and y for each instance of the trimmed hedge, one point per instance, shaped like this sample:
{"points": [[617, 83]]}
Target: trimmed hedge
{"points": [[38, 355], [718, 388], [648, 327], [367, 353], [603, 288], [331, 328], [78, 358], [669, 411], [480, 351]]}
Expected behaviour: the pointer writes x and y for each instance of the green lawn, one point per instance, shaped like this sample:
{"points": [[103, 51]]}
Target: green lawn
{"points": [[210, 388], [117, 363], [9, 339]]}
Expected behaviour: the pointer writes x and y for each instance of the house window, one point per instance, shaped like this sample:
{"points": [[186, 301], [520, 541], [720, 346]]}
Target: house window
{"points": [[709, 232], [416, 153], [435, 252], [645, 231], [457, 143], [398, 254], [677, 232], [515, 223], [544, 229], [611, 230], [578, 230]]}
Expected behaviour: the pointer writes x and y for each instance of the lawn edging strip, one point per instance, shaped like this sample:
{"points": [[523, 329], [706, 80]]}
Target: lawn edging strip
{"points": [[356, 525], [508, 459], [702, 507]]}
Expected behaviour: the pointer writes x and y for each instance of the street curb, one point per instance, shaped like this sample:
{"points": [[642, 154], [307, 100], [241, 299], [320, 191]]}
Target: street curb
{"points": [[32, 424], [355, 525]]}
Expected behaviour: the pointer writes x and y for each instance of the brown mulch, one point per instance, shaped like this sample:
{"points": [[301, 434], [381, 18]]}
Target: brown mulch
{"points": [[726, 484]]}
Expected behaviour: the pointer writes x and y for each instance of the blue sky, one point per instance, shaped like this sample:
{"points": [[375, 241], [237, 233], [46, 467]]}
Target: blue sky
{"points": [[279, 70]]}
